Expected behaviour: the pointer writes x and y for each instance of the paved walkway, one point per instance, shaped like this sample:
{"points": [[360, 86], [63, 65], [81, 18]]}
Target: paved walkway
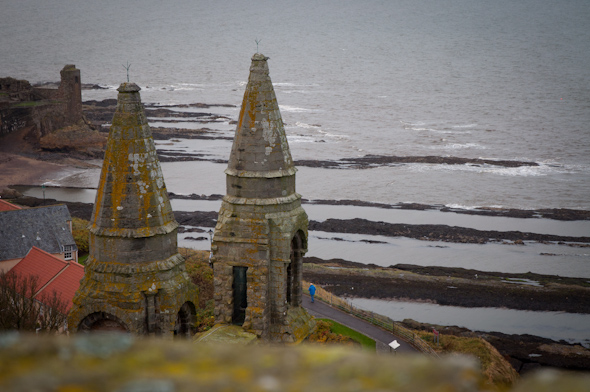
{"points": [[382, 338]]}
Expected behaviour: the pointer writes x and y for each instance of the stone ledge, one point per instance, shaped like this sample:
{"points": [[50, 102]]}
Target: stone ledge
{"points": [[120, 362], [262, 202]]}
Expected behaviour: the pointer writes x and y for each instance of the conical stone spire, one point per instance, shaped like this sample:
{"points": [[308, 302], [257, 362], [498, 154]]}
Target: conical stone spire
{"points": [[260, 152], [134, 273], [261, 233], [132, 200]]}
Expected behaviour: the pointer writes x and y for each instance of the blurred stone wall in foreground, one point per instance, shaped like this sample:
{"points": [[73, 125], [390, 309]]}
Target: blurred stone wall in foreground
{"points": [[121, 362]]}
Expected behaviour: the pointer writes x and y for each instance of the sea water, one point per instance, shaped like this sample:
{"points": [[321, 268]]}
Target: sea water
{"points": [[496, 80]]}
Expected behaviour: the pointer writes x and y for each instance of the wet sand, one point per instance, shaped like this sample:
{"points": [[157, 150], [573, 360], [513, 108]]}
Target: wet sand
{"points": [[16, 169]]}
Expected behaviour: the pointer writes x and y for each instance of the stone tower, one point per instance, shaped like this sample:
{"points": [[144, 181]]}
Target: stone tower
{"points": [[261, 232], [70, 90], [135, 279]]}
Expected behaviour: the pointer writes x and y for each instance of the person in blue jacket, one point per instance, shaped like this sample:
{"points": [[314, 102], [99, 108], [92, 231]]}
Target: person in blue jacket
{"points": [[311, 291]]}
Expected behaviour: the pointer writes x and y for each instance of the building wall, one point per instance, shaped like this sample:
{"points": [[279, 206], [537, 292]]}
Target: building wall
{"points": [[6, 265]]}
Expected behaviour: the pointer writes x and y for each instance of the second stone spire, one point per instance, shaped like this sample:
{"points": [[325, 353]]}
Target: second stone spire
{"points": [[260, 150]]}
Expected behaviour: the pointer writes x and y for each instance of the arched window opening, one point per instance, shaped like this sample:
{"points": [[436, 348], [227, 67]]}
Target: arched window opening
{"points": [[184, 320], [101, 321]]}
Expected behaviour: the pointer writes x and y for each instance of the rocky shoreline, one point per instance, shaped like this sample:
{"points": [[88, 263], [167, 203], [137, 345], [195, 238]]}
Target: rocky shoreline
{"points": [[524, 352], [444, 233], [460, 287], [450, 286]]}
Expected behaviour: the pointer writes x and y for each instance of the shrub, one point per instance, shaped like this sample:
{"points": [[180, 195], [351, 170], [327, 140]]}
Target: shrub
{"points": [[204, 319], [80, 233], [200, 272], [324, 335]]}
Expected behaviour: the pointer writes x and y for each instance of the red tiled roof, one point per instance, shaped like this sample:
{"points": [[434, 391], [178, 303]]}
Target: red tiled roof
{"points": [[65, 284], [6, 206], [54, 274], [40, 263]]}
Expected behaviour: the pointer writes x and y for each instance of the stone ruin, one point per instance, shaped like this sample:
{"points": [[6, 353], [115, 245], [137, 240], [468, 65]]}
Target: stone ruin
{"points": [[135, 279], [40, 109], [261, 233]]}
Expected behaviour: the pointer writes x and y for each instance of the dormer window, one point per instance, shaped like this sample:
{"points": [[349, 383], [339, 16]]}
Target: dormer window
{"points": [[68, 252]]}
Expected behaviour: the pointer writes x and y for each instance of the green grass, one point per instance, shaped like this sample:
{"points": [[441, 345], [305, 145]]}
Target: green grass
{"points": [[365, 341], [28, 104], [82, 259]]}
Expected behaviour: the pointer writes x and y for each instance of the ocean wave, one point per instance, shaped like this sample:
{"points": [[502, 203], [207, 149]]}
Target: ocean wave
{"points": [[333, 135], [458, 146], [300, 139], [289, 84], [461, 207], [293, 109], [186, 87], [295, 91], [318, 129], [307, 126], [521, 171], [317, 134], [422, 126]]}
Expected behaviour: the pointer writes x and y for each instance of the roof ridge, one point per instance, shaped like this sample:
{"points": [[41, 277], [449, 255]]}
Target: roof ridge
{"points": [[51, 280]]}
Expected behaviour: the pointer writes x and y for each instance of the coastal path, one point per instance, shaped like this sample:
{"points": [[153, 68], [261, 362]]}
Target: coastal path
{"points": [[382, 338]]}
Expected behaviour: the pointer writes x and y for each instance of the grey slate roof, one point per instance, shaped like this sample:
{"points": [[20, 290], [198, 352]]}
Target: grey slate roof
{"points": [[44, 227]]}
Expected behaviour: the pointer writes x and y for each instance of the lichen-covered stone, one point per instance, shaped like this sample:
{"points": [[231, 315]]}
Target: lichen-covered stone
{"points": [[120, 362], [226, 334], [261, 224], [135, 279]]}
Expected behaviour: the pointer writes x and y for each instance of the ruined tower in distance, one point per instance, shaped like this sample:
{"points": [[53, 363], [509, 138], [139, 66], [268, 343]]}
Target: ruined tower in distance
{"points": [[261, 233], [135, 279], [71, 90]]}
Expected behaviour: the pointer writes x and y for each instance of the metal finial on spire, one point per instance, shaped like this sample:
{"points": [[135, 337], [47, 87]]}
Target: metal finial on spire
{"points": [[257, 42], [127, 68]]}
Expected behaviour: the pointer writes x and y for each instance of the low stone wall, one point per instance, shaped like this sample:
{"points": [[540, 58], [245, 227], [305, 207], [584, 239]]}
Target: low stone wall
{"points": [[120, 362]]}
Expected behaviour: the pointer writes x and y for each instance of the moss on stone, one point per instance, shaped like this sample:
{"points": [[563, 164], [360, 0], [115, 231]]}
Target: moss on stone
{"points": [[123, 363]]}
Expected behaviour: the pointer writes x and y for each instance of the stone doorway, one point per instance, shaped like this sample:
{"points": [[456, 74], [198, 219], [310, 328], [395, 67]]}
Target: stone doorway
{"points": [[294, 270], [240, 294], [184, 319]]}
